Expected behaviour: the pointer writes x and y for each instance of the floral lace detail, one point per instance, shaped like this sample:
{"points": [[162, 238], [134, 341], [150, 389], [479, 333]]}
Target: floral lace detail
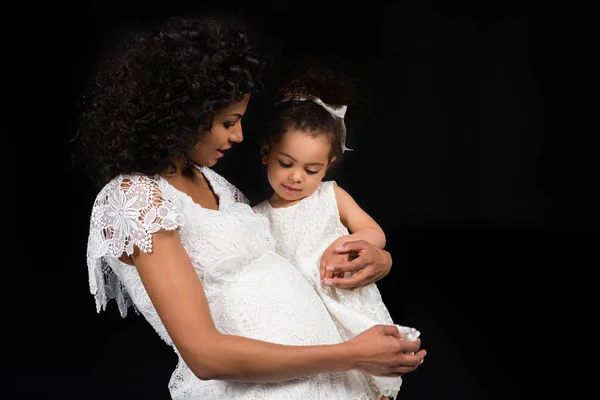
{"points": [[125, 214]]}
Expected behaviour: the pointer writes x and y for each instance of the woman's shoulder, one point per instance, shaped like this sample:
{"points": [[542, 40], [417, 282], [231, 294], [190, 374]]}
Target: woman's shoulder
{"points": [[138, 188], [125, 182], [127, 210]]}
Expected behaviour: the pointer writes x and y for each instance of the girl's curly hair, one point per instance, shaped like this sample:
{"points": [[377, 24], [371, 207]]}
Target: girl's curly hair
{"points": [[309, 79], [149, 103]]}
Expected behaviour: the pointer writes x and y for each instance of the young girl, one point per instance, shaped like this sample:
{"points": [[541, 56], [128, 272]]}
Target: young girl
{"points": [[308, 216]]}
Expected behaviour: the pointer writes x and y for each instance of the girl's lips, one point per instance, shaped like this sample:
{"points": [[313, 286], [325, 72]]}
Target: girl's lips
{"points": [[290, 189]]}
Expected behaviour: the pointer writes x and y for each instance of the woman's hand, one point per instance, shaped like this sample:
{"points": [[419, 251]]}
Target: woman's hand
{"points": [[366, 264], [380, 351]]}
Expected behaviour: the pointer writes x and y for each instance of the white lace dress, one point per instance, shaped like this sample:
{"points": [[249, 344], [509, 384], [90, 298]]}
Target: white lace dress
{"points": [[302, 232], [252, 291]]}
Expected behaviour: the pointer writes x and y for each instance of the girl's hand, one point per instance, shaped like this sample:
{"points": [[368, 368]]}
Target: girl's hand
{"points": [[331, 257]]}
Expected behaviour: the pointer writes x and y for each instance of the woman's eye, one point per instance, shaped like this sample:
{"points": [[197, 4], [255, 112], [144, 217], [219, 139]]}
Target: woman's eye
{"points": [[228, 124]]}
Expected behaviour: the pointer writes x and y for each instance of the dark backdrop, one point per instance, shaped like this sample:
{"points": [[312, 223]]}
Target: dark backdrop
{"points": [[482, 184]]}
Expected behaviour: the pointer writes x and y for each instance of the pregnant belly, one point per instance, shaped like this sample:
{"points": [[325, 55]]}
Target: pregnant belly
{"points": [[268, 299]]}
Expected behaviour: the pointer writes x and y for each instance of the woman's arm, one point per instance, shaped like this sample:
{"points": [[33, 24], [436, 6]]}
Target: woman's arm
{"points": [[177, 294]]}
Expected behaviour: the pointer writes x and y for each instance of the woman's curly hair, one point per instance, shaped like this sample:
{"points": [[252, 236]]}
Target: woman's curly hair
{"points": [[149, 103], [310, 79]]}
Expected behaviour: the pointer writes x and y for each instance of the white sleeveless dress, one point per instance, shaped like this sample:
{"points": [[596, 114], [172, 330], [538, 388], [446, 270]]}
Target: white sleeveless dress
{"points": [[252, 291], [302, 232]]}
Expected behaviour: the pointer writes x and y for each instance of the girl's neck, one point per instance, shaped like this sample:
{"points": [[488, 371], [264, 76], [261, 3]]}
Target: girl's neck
{"points": [[277, 201]]}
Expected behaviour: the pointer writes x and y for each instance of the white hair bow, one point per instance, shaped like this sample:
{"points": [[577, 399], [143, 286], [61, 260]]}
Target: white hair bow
{"points": [[338, 113]]}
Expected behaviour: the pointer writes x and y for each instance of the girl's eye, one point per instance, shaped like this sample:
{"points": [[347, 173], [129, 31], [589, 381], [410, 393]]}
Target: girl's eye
{"points": [[311, 172], [284, 165]]}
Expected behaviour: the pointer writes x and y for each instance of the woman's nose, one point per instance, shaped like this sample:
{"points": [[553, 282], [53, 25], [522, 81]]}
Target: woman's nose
{"points": [[237, 135]]}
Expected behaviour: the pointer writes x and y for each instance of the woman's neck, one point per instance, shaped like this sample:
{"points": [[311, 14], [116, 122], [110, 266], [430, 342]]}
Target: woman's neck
{"points": [[184, 169]]}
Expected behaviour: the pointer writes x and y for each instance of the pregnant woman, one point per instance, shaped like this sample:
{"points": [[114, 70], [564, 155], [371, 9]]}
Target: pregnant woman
{"points": [[175, 240]]}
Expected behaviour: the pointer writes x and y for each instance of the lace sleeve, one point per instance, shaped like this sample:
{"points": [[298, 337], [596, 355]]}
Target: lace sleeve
{"points": [[125, 214]]}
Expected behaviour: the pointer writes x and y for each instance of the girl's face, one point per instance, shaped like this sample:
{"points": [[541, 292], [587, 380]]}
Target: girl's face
{"points": [[296, 165], [225, 131]]}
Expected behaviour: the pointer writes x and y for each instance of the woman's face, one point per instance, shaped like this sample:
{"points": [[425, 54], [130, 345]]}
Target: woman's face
{"points": [[225, 131]]}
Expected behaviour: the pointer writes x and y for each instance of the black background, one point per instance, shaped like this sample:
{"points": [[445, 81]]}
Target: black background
{"points": [[470, 152]]}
